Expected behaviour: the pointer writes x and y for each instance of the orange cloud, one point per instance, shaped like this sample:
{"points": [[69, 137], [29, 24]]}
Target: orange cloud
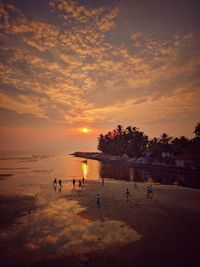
{"points": [[74, 72]]}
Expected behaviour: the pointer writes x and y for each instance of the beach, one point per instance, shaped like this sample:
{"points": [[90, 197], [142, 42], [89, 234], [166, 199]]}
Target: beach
{"points": [[65, 228]]}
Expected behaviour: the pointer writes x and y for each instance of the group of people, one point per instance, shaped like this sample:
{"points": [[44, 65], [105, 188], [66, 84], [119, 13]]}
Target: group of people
{"points": [[59, 181], [98, 199], [127, 194], [80, 183], [56, 181]]}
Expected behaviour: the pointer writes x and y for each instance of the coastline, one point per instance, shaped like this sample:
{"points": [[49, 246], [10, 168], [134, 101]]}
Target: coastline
{"points": [[132, 162], [166, 225], [163, 226]]}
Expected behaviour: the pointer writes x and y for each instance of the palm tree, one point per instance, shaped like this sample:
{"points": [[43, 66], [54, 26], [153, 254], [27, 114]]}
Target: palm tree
{"points": [[197, 130]]}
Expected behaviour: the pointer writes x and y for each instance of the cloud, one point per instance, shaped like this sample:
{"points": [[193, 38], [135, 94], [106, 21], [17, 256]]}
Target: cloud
{"points": [[9, 117], [69, 68]]}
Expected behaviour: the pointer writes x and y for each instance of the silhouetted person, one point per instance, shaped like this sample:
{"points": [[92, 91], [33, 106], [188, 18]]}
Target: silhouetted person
{"points": [[148, 191], [135, 186], [151, 191], [83, 180], [98, 201], [55, 184], [60, 182], [74, 183], [127, 193]]}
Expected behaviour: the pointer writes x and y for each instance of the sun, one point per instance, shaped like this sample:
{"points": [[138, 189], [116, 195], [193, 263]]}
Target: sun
{"points": [[85, 130]]}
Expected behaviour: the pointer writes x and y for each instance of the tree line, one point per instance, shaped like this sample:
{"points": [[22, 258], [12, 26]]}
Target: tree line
{"points": [[132, 142]]}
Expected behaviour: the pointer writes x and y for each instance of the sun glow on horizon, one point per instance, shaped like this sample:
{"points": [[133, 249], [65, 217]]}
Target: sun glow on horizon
{"points": [[85, 130]]}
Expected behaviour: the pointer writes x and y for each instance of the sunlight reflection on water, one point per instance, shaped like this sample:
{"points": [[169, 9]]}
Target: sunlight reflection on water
{"points": [[56, 226]]}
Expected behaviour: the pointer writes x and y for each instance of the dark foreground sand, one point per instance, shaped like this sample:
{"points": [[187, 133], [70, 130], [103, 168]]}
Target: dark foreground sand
{"points": [[166, 227]]}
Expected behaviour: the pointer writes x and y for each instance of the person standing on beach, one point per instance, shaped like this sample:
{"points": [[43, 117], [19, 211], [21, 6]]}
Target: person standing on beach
{"points": [[74, 183], [55, 184], [60, 182], [148, 191], [83, 180], [151, 191], [127, 193], [135, 186], [98, 201]]}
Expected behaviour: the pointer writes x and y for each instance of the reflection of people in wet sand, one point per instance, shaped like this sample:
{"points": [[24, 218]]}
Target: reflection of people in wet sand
{"points": [[127, 194], [74, 183], [54, 187], [135, 186], [98, 201]]}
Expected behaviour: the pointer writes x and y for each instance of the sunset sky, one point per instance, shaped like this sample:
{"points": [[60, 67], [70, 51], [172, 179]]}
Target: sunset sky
{"points": [[67, 65]]}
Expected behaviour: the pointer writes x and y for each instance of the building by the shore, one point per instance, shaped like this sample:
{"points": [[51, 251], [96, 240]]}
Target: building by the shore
{"points": [[185, 161]]}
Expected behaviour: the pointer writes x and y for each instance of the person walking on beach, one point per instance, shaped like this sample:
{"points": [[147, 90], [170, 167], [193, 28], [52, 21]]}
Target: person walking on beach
{"points": [[55, 184], [83, 180], [148, 191], [98, 201], [60, 183], [127, 193], [135, 186], [74, 183]]}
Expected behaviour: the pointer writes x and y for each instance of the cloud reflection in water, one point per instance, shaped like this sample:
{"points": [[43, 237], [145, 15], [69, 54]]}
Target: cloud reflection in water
{"points": [[58, 228]]}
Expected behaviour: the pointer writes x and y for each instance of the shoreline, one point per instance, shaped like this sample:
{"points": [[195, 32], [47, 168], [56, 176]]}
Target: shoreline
{"points": [[132, 162], [161, 227]]}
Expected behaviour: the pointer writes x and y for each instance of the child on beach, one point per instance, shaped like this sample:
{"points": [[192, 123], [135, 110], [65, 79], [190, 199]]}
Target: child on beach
{"points": [[135, 186], [98, 201], [60, 182], [74, 183], [127, 193], [149, 191]]}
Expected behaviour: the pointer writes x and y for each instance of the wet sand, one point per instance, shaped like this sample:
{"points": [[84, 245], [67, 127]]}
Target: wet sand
{"points": [[13, 207], [66, 228]]}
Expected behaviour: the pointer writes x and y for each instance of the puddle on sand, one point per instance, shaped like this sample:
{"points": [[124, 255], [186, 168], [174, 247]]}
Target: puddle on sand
{"points": [[57, 228]]}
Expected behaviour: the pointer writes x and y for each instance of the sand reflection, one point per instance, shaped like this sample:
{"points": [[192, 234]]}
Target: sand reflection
{"points": [[58, 228]]}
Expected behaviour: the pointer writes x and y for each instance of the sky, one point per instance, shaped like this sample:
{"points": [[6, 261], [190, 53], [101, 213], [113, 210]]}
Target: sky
{"points": [[66, 65]]}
